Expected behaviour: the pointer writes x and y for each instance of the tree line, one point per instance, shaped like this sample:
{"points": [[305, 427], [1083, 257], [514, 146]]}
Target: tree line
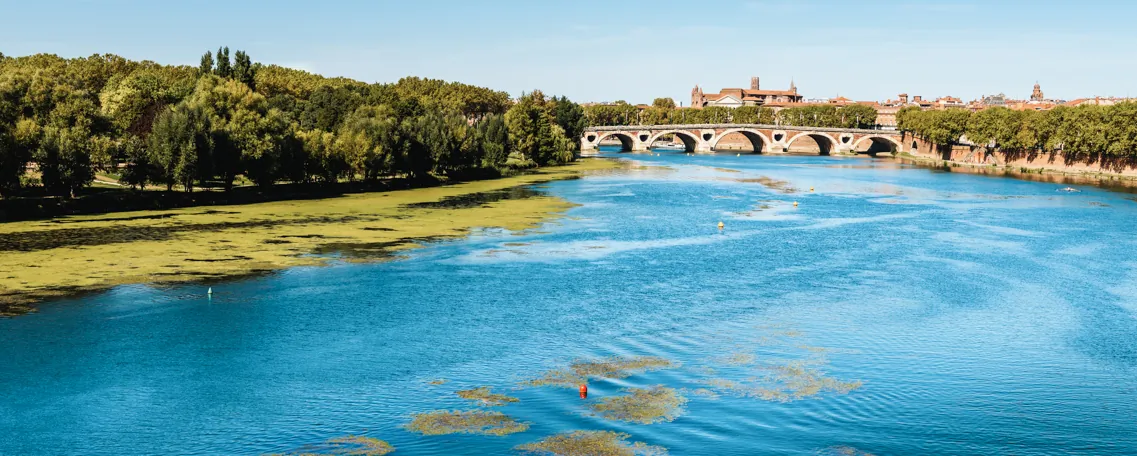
{"points": [[663, 112], [233, 120], [1082, 133]]}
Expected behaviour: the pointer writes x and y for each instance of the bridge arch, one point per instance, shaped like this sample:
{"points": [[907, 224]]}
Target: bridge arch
{"points": [[757, 139], [825, 143], [626, 140], [880, 143], [690, 141]]}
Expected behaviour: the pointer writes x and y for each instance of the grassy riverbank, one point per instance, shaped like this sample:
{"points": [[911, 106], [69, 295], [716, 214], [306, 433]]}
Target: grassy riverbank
{"points": [[70, 255]]}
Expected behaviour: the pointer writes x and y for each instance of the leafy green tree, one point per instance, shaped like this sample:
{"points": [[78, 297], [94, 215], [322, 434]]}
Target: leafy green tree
{"points": [[495, 141], [224, 68], [138, 171], [533, 131], [752, 115], [570, 117], [327, 107], [65, 147], [323, 162], [179, 147], [530, 129], [206, 66], [663, 103], [857, 116], [243, 69], [371, 142], [13, 157]]}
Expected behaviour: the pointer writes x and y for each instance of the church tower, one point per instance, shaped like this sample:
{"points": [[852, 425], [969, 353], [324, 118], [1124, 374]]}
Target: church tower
{"points": [[697, 98], [1037, 94]]}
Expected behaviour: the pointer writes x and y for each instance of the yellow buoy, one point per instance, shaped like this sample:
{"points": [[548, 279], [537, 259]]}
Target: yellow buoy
{"points": [[721, 225], [811, 189], [795, 203]]}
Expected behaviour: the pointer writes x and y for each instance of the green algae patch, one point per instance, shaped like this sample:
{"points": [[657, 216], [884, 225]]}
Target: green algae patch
{"points": [[768, 182], [842, 450], [786, 383], [591, 443], [615, 367], [446, 422], [94, 253], [437, 382], [486, 396], [620, 367], [740, 359], [352, 445], [642, 405]]}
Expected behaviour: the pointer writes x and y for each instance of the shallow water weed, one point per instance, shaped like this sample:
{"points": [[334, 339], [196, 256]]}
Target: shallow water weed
{"points": [[843, 450], [785, 383], [642, 405], [615, 367], [770, 183], [486, 396], [349, 445], [740, 359], [445, 422], [591, 443], [620, 367]]}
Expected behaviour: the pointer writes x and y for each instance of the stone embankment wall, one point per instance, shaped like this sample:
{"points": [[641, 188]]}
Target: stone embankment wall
{"points": [[981, 156]]}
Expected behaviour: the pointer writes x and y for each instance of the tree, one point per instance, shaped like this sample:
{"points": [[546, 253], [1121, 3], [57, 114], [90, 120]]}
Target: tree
{"points": [[243, 69], [533, 131], [752, 115], [64, 147], [663, 103], [323, 161], [138, 170], [495, 141], [206, 66], [327, 107], [371, 142], [13, 157], [857, 116], [224, 69], [180, 146], [570, 117]]}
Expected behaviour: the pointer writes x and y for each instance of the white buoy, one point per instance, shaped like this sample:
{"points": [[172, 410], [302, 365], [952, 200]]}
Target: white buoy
{"points": [[210, 292]]}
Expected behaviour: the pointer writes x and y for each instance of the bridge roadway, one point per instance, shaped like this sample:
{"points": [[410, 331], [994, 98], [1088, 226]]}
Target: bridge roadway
{"points": [[763, 138]]}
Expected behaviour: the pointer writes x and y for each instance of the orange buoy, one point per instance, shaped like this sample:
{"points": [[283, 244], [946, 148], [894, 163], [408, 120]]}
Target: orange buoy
{"points": [[584, 391]]}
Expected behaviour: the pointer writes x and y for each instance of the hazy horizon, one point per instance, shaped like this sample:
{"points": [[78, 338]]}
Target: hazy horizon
{"points": [[633, 50]]}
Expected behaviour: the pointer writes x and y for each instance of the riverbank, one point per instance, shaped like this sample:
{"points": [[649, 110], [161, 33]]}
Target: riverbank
{"points": [[66, 256], [1037, 172]]}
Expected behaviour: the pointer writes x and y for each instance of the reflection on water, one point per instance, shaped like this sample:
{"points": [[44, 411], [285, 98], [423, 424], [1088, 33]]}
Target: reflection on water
{"points": [[892, 311]]}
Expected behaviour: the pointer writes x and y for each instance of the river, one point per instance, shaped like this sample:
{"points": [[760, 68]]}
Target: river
{"points": [[894, 310]]}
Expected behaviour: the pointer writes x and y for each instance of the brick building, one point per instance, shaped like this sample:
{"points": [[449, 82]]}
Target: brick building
{"points": [[754, 96]]}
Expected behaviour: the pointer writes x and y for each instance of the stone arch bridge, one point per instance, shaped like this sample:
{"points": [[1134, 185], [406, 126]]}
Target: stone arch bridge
{"points": [[763, 138]]}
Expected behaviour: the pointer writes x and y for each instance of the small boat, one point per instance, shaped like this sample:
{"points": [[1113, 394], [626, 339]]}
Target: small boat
{"points": [[1069, 190]]}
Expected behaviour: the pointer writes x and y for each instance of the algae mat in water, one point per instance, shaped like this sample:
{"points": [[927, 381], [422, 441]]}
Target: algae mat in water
{"points": [[45, 259]]}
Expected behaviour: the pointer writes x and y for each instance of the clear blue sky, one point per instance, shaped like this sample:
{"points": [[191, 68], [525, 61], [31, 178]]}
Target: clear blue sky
{"points": [[634, 50]]}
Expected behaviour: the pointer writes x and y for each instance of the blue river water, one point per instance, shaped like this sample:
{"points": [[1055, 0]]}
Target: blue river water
{"points": [[968, 315]]}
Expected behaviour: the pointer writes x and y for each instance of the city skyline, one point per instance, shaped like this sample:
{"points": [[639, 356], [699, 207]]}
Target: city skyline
{"points": [[595, 51]]}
